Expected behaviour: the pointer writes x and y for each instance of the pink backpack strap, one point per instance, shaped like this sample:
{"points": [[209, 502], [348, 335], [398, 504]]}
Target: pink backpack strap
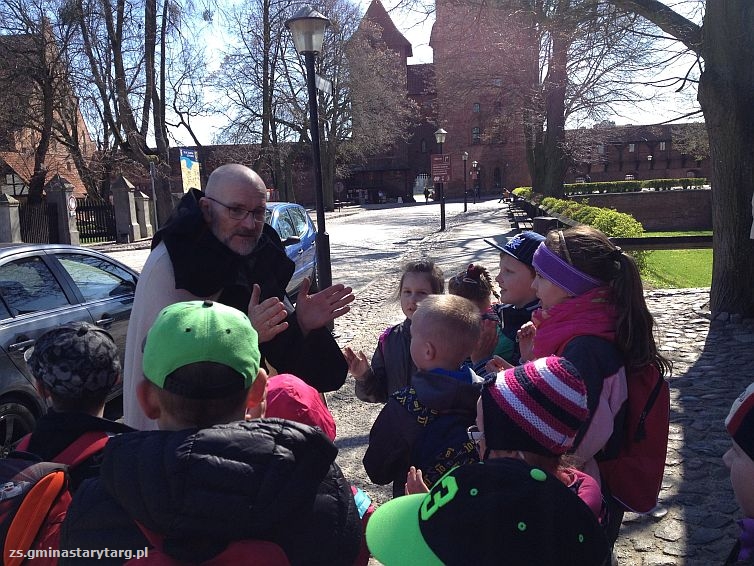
{"points": [[82, 448], [23, 444]]}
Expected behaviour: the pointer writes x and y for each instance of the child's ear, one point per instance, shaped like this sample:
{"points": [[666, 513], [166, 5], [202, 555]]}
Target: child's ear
{"points": [[256, 399], [146, 394], [428, 351]]}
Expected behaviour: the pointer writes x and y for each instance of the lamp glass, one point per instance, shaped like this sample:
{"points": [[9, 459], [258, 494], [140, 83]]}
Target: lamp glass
{"points": [[440, 135], [474, 164], [307, 27], [465, 155]]}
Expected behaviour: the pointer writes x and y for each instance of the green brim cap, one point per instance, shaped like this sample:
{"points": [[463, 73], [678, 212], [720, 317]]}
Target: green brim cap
{"points": [[394, 536], [200, 331], [499, 512]]}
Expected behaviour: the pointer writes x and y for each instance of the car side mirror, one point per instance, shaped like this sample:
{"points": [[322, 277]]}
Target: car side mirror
{"points": [[290, 240]]}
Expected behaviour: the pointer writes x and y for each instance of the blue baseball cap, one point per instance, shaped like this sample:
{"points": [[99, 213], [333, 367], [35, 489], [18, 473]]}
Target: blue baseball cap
{"points": [[521, 246]]}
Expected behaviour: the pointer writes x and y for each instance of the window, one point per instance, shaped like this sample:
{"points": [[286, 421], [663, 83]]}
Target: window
{"points": [[97, 278], [424, 146], [28, 286], [631, 147], [284, 226], [662, 146], [600, 149], [476, 135], [299, 222], [477, 107]]}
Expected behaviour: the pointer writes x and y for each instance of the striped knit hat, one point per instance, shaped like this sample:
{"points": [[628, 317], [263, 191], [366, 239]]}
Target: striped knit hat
{"points": [[740, 421], [538, 407]]}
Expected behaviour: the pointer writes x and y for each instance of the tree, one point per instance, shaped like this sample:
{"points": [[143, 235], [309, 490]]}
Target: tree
{"points": [[262, 80], [122, 52], [38, 103], [725, 43], [589, 59]]}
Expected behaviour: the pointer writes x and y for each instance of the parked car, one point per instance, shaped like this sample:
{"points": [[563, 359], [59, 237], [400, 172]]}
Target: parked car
{"points": [[42, 286], [296, 230]]}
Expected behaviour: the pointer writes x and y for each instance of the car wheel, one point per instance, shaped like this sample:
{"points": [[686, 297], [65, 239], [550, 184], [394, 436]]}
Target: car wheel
{"points": [[16, 421]]}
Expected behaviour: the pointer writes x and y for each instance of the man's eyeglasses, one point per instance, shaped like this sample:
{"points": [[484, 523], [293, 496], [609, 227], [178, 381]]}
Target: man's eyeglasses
{"points": [[238, 213], [475, 435]]}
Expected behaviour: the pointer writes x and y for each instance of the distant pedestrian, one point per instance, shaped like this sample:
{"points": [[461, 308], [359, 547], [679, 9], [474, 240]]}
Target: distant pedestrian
{"points": [[391, 368], [426, 195]]}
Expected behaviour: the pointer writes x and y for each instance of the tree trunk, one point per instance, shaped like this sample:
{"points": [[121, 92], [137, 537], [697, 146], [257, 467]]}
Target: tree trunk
{"points": [[553, 143], [726, 95]]}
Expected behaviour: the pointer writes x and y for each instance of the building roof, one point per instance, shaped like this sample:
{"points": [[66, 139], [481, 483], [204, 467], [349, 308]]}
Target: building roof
{"points": [[393, 38], [22, 165]]}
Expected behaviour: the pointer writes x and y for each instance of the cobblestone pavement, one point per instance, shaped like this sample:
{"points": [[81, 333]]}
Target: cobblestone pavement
{"points": [[713, 363]]}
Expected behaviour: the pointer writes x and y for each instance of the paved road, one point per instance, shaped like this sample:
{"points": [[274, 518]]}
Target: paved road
{"points": [[713, 363]]}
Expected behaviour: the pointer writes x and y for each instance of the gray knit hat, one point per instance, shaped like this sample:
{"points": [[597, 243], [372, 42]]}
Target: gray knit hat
{"points": [[75, 360]]}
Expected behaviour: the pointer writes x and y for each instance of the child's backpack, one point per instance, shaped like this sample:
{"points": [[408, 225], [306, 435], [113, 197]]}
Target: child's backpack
{"points": [[34, 499], [634, 471]]}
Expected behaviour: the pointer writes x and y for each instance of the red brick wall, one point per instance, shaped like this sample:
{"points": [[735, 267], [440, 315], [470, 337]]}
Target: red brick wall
{"points": [[661, 210]]}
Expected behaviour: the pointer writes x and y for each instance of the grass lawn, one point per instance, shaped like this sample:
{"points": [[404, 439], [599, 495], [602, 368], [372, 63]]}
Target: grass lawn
{"points": [[678, 268]]}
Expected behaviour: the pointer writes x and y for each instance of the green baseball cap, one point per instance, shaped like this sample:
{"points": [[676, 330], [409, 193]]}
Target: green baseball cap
{"points": [[502, 511], [201, 331]]}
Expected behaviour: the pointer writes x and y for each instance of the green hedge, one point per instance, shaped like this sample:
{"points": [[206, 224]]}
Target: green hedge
{"points": [[666, 184], [608, 220], [631, 186]]}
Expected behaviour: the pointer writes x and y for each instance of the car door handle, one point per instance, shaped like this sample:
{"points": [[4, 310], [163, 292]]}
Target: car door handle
{"points": [[104, 321], [21, 346]]}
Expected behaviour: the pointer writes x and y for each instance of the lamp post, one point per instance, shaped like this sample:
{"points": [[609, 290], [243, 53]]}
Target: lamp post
{"points": [[440, 139], [307, 26], [475, 168], [649, 158], [465, 157]]}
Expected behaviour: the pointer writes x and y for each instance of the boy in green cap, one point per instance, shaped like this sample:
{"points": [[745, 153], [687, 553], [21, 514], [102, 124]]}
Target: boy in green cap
{"points": [[208, 485]]}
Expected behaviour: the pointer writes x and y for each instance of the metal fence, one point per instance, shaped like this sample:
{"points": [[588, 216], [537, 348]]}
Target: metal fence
{"points": [[95, 220], [38, 223]]}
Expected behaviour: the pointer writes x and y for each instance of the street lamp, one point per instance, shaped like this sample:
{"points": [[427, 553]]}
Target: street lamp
{"points": [[440, 135], [307, 26], [649, 158], [465, 157]]}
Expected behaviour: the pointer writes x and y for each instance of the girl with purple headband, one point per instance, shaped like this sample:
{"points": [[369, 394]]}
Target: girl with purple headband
{"points": [[592, 313]]}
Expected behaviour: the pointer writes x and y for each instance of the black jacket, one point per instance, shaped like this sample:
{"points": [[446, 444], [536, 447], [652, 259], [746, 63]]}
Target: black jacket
{"points": [[267, 479], [399, 434], [55, 431], [203, 266]]}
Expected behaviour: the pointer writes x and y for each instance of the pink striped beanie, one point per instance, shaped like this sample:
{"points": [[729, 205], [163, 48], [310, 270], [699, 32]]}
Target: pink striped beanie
{"points": [[537, 407]]}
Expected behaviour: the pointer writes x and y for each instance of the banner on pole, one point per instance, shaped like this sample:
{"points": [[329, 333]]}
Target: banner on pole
{"points": [[190, 171]]}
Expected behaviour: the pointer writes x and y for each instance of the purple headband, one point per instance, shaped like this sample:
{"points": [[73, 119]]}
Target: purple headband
{"points": [[558, 271]]}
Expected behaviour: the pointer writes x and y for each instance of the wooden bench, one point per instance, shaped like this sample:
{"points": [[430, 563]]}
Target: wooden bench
{"points": [[519, 217]]}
